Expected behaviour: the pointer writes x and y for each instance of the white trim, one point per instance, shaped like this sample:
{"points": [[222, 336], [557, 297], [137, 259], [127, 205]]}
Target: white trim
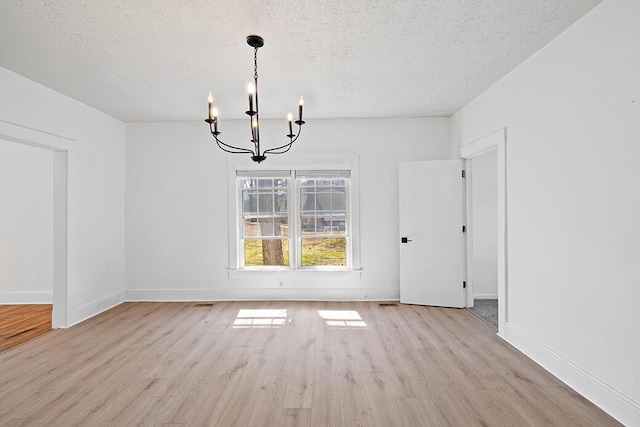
{"points": [[15, 132], [467, 166], [27, 297], [483, 145], [615, 403], [496, 140], [292, 163], [60, 312], [285, 273], [90, 310], [289, 162], [485, 296], [63, 155], [263, 294]]}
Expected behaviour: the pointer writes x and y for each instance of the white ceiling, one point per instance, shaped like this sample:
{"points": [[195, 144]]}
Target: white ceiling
{"points": [[156, 60]]}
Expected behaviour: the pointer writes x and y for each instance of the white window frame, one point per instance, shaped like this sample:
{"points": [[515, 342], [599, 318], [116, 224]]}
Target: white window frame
{"points": [[293, 163], [240, 226]]}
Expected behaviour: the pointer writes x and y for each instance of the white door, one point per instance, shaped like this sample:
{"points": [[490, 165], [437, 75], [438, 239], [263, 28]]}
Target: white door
{"points": [[431, 219]]}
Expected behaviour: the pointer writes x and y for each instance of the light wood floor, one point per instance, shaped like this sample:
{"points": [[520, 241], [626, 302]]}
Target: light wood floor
{"points": [[282, 363], [20, 323]]}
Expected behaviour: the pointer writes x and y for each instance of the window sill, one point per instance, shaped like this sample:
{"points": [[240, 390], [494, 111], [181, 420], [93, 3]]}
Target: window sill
{"points": [[237, 274]]}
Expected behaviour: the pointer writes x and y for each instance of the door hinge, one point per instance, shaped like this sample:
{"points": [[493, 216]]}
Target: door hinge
{"points": [[464, 228], [464, 173], [464, 285]]}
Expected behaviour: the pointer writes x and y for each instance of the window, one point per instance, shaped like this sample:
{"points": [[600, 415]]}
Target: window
{"points": [[294, 219], [322, 216], [264, 219]]}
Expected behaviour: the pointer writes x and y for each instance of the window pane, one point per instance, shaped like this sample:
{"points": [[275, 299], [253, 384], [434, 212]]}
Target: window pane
{"points": [[323, 224], [261, 252], [248, 182], [327, 251], [251, 228], [265, 202], [308, 224], [307, 200], [249, 202], [281, 201], [266, 227], [323, 206], [264, 207]]}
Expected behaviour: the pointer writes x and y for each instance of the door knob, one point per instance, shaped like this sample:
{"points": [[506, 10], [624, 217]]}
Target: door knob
{"points": [[404, 240]]}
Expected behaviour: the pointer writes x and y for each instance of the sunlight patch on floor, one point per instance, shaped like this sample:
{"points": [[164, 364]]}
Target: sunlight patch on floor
{"points": [[342, 318], [260, 318]]}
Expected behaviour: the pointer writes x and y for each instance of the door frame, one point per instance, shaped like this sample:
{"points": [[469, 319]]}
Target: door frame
{"points": [[63, 155], [496, 140]]}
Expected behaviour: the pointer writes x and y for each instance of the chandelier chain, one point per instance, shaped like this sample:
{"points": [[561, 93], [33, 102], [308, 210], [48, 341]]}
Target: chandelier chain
{"points": [[255, 63]]}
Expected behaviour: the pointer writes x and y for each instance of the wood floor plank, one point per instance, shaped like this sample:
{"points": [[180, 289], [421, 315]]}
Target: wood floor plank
{"points": [[20, 323], [251, 363], [326, 399], [269, 402], [415, 411]]}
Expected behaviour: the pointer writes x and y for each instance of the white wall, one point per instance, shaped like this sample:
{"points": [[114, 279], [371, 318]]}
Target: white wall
{"points": [[572, 113], [177, 207], [484, 230], [26, 224], [96, 187]]}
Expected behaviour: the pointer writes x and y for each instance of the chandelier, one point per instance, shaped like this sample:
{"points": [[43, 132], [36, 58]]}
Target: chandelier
{"points": [[254, 116]]}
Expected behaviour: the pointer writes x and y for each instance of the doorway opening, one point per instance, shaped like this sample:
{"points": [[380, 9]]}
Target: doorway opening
{"points": [[60, 146], [482, 182], [486, 270], [26, 242]]}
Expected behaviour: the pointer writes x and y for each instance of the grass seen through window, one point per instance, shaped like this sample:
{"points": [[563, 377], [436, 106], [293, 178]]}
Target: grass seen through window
{"points": [[315, 252]]}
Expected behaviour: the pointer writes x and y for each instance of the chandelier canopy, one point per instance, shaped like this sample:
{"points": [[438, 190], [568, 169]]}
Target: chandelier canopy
{"points": [[254, 116]]}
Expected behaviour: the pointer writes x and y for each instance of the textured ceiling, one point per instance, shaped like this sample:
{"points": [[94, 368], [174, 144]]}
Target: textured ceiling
{"points": [[156, 60]]}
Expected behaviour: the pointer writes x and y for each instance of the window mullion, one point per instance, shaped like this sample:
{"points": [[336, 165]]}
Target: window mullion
{"points": [[239, 223], [294, 228]]}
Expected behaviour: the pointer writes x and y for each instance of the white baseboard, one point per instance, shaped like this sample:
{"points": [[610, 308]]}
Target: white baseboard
{"points": [[485, 296], [87, 311], [616, 404], [264, 294], [27, 297]]}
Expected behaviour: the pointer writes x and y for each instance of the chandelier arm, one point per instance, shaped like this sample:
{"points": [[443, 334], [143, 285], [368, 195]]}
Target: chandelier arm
{"points": [[270, 151], [230, 148], [222, 146], [285, 147]]}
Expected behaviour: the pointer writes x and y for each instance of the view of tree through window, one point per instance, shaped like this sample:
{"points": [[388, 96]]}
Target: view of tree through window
{"points": [[265, 221], [297, 219]]}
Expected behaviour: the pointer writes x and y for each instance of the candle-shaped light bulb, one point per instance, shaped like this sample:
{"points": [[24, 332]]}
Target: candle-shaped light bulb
{"points": [[300, 108], [210, 100], [214, 115], [254, 128], [290, 118], [252, 90]]}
